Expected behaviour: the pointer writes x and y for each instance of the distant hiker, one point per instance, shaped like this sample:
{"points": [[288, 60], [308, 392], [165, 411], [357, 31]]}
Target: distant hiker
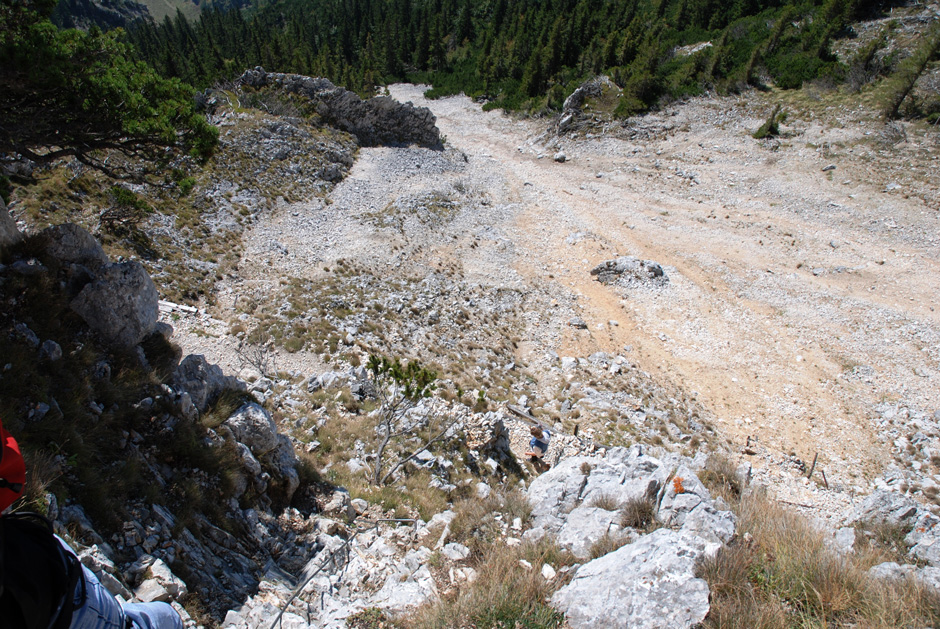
{"points": [[43, 585], [538, 446]]}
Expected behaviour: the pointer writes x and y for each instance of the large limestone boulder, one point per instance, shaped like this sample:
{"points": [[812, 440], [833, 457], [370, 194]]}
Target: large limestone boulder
{"points": [[885, 507], [592, 88], [253, 426], [619, 476], [203, 381], [120, 304], [376, 121], [600, 88], [649, 584], [687, 503], [71, 244], [579, 500], [9, 234], [584, 526]]}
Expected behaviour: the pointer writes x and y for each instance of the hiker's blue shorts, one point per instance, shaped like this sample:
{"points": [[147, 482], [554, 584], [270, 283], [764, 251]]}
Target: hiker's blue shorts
{"points": [[540, 445], [102, 611]]}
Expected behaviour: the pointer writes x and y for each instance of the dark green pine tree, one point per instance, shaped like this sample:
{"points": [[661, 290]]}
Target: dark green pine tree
{"points": [[423, 47]]}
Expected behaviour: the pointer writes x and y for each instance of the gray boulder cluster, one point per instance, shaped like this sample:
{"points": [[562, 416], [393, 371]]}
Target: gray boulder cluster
{"points": [[920, 526], [376, 121], [650, 580], [629, 271], [118, 300], [383, 567], [573, 116]]}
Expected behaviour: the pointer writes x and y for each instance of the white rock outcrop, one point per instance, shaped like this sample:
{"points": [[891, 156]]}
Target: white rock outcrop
{"points": [[650, 584]]}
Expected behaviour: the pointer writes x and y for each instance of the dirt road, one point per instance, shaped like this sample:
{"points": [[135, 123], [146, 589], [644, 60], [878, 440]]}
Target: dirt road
{"points": [[799, 299]]}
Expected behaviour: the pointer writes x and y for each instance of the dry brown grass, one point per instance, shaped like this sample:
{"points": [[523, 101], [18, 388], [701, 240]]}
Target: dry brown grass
{"points": [[640, 514], [785, 575], [883, 540], [720, 476], [479, 522], [412, 496], [604, 501], [736, 602], [608, 544], [42, 469], [504, 594]]}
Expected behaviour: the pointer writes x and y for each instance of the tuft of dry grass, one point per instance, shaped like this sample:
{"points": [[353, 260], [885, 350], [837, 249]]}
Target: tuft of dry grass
{"points": [[736, 602], [885, 540], [608, 544], [479, 522], [639, 514], [42, 470], [720, 477], [604, 501]]}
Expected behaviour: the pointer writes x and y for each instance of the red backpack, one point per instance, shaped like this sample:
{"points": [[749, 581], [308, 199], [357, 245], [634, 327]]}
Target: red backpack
{"points": [[38, 579], [12, 469]]}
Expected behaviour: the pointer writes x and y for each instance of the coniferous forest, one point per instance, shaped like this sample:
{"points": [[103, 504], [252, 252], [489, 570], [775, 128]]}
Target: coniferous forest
{"points": [[519, 54]]}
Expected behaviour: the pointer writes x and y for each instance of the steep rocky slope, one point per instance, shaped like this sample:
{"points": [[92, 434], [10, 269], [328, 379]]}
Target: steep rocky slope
{"points": [[663, 293], [756, 242]]}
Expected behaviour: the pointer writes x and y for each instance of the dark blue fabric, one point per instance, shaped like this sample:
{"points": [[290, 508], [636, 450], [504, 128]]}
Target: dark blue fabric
{"points": [[541, 445], [102, 611]]}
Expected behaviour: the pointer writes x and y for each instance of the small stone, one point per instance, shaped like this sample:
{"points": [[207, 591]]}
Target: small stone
{"points": [[455, 551], [24, 333], [50, 351], [548, 573], [845, 539], [525, 564], [114, 586], [150, 591], [534, 534], [829, 167], [578, 323], [560, 157]]}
